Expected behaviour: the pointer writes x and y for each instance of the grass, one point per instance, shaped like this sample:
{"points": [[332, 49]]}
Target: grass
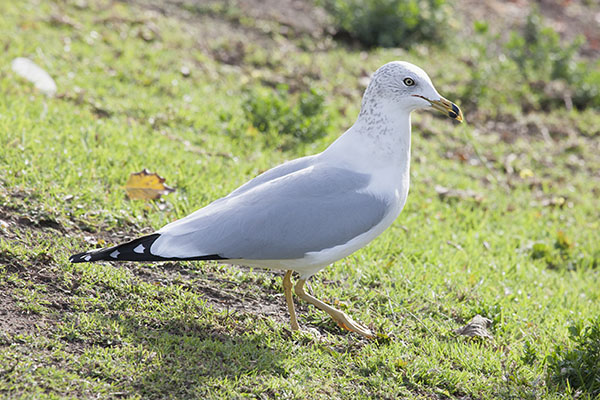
{"points": [[523, 251], [578, 365]]}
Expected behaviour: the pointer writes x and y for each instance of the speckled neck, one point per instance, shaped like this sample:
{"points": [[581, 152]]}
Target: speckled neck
{"points": [[380, 137]]}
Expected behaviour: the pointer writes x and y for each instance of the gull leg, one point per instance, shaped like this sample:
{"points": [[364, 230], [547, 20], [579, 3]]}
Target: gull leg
{"points": [[287, 289], [338, 316]]}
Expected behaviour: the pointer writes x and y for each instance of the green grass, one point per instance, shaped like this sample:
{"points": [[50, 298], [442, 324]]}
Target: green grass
{"points": [[524, 252]]}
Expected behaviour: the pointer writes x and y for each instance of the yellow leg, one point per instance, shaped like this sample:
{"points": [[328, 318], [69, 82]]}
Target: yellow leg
{"points": [[287, 289], [338, 316]]}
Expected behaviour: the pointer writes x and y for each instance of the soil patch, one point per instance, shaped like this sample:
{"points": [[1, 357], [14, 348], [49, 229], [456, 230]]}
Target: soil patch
{"points": [[295, 16], [570, 18], [41, 271], [222, 294]]}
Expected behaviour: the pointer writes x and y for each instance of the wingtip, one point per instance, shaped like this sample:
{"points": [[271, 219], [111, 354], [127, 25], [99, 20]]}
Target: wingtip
{"points": [[80, 257], [136, 250]]}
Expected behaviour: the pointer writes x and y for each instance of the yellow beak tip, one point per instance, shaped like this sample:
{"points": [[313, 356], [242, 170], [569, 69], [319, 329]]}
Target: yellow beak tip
{"points": [[446, 107], [455, 112]]}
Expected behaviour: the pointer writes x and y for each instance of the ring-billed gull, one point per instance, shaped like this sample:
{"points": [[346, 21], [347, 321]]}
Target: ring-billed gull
{"points": [[307, 213]]}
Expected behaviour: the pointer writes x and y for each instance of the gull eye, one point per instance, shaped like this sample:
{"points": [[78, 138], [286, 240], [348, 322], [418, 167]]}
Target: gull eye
{"points": [[409, 82]]}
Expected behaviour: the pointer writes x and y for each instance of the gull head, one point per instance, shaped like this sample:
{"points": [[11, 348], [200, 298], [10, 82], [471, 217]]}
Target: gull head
{"points": [[404, 86]]}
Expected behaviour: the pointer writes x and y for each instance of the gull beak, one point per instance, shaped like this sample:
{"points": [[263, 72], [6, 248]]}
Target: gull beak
{"points": [[445, 107]]}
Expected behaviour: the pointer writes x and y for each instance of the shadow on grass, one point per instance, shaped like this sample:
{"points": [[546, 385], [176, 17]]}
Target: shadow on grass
{"points": [[178, 358]]}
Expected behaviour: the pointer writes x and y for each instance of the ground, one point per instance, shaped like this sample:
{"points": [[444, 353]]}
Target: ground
{"points": [[501, 220]]}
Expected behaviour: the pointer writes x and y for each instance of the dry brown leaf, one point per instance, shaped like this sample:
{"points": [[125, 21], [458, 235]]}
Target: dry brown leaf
{"points": [[476, 327], [145, 185]]}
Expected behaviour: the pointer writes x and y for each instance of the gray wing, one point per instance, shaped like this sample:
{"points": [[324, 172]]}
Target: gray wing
{"points": [[309, 210], [274, 173]]}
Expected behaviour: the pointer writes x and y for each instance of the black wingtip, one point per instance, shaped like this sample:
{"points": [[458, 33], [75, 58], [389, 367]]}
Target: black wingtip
{"points": [[136, 250], [80, 257]]}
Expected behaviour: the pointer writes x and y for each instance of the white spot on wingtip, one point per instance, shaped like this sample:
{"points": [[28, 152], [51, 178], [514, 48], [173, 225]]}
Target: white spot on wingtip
{"points": [[87, 258], [115, 254], [140, 249]]}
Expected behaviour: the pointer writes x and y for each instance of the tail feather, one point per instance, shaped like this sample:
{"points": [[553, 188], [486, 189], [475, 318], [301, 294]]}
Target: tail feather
{"points": [[136, 250]]}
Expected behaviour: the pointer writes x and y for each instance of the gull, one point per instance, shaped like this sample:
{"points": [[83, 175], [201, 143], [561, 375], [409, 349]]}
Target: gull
{"points": [[307, 213]]}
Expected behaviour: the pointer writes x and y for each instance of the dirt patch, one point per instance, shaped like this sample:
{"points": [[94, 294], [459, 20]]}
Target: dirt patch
{"points": [[14, 322], [40, 270], [295, 17], [301, 16], [222, 294], [230, 30], [569, 18], [17, 213], [17, 321]]}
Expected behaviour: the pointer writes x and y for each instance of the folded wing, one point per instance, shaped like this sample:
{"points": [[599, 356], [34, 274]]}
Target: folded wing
{"points": [[310, 210]]}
